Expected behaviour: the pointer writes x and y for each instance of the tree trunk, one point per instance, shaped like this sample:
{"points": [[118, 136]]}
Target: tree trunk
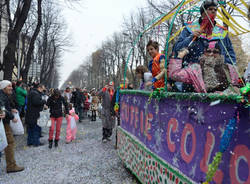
{"points": [[32, 41], [13, 35]]}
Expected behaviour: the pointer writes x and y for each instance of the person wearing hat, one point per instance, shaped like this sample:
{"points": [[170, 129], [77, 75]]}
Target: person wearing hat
{"points": [[5, 92], [197, 34]]}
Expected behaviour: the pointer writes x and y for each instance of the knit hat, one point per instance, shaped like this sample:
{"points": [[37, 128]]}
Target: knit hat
{"points": [[4, 84], [206, 4]]}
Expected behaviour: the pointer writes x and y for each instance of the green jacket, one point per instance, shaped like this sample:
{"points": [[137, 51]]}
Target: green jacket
{"points": [[20, 96]]}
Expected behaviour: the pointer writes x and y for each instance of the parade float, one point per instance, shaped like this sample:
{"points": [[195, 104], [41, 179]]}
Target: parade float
{"points": [[185, 138]]}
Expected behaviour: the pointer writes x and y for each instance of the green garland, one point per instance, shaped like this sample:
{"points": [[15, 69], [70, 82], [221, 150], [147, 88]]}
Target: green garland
{"points": [[212, 168], [203, 97]]}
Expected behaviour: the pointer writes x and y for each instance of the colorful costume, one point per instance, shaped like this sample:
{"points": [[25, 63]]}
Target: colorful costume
{"points": [[71, 126], [108, 122], [94, 106], [194, 74], [154, 67], [197, 48]]}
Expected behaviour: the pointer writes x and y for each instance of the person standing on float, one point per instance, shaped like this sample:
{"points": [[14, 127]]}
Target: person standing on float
{"points": [[157, 65], [213, 32]]}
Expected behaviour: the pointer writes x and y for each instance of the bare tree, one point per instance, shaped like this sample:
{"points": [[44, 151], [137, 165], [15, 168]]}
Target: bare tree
{"points": [[32, 41], [51, 42], [15, 27]]}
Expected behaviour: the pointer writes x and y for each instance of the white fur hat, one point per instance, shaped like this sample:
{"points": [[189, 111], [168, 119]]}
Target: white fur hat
{"points": [[4, 84]]}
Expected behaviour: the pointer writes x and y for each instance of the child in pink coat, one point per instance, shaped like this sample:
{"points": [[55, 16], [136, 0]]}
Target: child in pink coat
{"points": [[71, 125]]}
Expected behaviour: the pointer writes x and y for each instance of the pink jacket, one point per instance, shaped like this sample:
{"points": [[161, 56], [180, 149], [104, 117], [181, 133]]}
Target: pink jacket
{"points": [[193, 74]]}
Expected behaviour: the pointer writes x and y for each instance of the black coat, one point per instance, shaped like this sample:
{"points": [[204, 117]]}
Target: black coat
{"points": [[5, 101], [78, 99], [55, 106], [35, 104]]}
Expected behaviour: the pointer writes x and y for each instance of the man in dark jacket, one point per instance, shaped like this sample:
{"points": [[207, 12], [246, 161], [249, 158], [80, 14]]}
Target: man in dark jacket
{"points": [[78, 100], [5, 92], [35, 104]]}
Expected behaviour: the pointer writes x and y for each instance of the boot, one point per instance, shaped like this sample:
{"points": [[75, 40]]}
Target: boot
{"points": [[56, 143], [50, 144], [14, 169]]}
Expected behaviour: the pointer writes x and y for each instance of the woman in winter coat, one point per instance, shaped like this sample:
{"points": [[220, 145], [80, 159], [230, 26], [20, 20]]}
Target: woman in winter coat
{"points": [[55, 103]]}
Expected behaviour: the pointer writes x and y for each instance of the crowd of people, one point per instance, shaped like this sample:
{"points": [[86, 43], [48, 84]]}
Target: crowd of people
{"points": [[74, 105]]}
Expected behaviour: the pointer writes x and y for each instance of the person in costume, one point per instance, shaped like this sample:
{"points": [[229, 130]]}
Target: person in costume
{"points": [[94, 104], [196, 35], [71, 124], [156, 65], [208, 76], [108, 121]]}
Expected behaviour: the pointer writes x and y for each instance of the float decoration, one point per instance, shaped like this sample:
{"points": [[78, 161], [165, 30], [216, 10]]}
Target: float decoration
{"points": [[202, 97], [224, 143], [116, 107], [245, 95]]}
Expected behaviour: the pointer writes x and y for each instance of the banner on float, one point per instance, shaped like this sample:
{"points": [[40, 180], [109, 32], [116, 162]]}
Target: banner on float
{"points": [[186, 134]]}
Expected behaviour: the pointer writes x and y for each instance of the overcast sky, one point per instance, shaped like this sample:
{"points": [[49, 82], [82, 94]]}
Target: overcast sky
{"points": [[92, 24]]}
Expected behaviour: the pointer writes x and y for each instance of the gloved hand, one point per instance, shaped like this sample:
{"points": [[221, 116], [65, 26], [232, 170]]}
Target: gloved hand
{"points": [[154, 80]]}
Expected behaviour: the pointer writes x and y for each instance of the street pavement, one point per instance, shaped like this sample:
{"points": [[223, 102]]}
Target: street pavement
{"points": [[85, 161]]}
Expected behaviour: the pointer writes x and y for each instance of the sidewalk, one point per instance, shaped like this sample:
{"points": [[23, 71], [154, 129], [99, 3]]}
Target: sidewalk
{"points": [[85, 161]]}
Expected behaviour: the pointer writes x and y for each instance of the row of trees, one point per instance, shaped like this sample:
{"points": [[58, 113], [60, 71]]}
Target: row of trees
{"points": [[108, 62], [39, 25]]}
